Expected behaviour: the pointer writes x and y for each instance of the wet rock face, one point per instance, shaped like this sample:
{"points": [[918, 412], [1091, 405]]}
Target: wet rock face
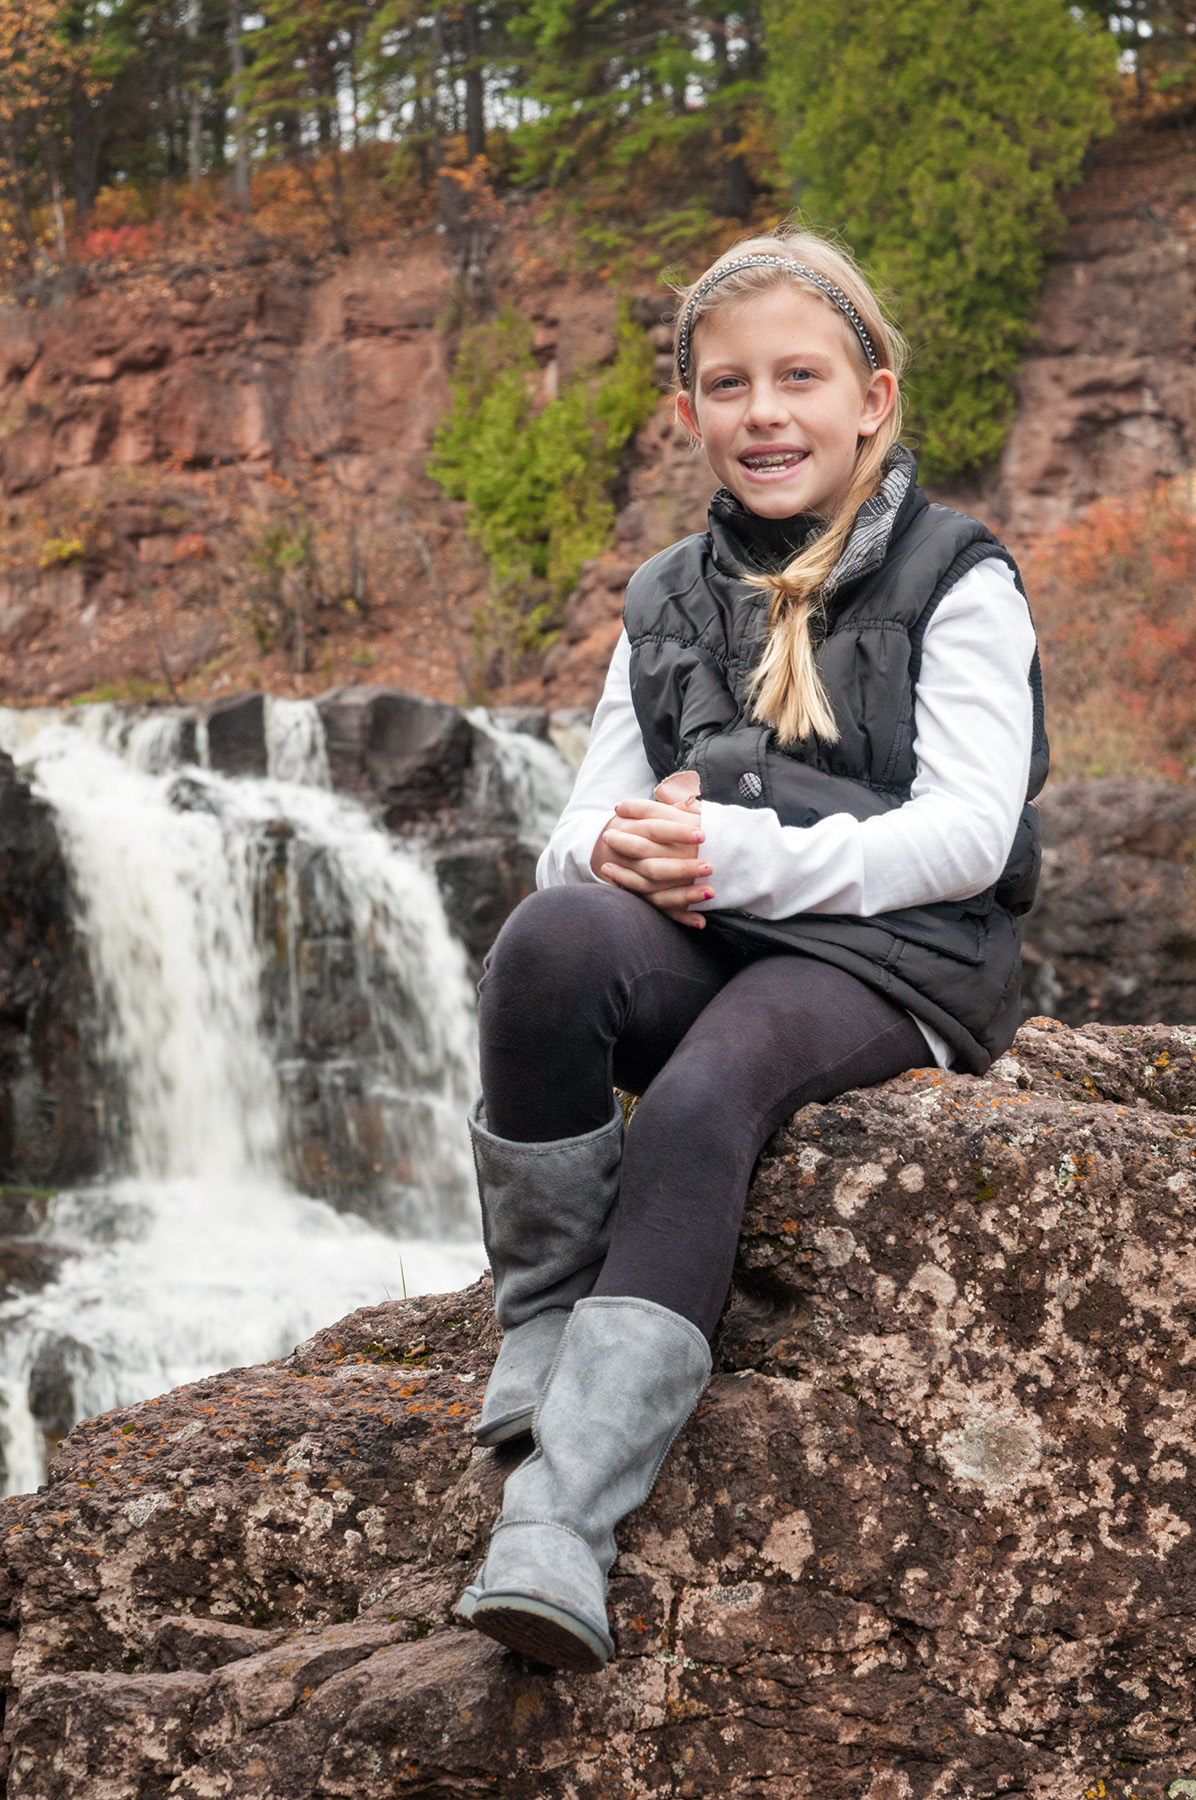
{"points": [[1113, 932], [237, 734], [928, 1534], [406, 755], [50, 1085]]}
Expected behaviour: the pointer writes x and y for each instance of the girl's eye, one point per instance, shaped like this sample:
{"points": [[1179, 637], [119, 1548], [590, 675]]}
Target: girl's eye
{"points": [[725, 381], [801, 375]]}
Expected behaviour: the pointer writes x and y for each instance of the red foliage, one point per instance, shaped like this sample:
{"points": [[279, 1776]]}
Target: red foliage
{"points": [[128, 243], [1115, 596]]}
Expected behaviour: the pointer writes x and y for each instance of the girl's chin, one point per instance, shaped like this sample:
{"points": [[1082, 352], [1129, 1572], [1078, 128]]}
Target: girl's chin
{"points": [[778, 499]]}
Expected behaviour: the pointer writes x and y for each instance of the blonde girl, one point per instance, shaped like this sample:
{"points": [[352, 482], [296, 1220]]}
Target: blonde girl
{"points": [[792, 865]]}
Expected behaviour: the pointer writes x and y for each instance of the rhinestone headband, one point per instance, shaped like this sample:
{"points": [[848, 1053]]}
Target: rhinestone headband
{"points": [[760, 260]]}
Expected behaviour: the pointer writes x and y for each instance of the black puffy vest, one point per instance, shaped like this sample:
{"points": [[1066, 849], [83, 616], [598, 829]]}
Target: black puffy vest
{"points": [[697, 632]]}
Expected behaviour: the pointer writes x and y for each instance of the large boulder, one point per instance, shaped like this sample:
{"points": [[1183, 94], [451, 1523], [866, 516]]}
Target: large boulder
{"points": [[1113, 932], [407, 756], [930, 1533], [428, 770], [237, 734]]}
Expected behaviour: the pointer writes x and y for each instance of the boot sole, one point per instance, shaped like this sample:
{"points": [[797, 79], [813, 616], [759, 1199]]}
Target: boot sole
{"points": [[518, 1425], [545, 1633]]}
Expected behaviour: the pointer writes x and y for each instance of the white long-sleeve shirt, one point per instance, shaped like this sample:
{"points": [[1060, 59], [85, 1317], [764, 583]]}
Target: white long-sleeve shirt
{"points": [[973, 719]]}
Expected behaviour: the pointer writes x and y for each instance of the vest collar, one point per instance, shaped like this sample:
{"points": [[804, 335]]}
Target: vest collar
{"points": [[742, 541]]}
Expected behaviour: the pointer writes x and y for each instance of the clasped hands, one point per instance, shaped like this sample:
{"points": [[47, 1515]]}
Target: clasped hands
{"points": [[650, 848]]}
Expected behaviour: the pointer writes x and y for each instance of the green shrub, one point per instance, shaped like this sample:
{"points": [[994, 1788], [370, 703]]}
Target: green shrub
{"points": [[536, 477], [935, 139]]}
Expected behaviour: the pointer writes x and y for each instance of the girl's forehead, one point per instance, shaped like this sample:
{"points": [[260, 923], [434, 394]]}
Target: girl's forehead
{"points": [[780, 319]]}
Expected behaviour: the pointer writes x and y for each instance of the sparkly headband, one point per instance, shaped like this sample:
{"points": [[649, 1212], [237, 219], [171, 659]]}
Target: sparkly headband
{"points": [[760, 260]]}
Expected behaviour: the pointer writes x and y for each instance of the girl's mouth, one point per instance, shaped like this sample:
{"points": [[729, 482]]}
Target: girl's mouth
{"points": [[771, 464]]}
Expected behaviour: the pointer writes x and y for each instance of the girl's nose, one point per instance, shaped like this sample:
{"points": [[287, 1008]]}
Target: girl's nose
{"points": [[765, 405]]}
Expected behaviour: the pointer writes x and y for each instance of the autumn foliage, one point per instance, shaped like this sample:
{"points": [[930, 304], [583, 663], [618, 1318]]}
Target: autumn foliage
{"points": [[1114, 595]]}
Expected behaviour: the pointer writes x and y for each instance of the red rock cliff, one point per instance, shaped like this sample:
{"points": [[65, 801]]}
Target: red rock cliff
{"points": [[157, 428]]}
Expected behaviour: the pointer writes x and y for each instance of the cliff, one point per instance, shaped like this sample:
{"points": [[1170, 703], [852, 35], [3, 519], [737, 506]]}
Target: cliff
{"points": [[214, 474], [929, 1533], [214, 470], [1107, 395]]}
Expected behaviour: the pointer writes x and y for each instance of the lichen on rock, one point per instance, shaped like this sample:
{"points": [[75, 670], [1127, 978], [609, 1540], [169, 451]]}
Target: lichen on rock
{"points": [[930, 1532]]}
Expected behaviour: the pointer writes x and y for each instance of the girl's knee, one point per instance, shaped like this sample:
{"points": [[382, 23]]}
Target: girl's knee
{"points": [[689, 1103], [558, 938]]}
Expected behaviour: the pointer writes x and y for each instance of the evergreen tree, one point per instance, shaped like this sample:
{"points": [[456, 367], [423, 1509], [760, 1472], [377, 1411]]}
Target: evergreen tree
{"points": [[935, 139], [612, 85]]}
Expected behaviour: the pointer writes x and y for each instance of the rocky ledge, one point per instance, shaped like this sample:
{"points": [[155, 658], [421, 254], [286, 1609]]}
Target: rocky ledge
{"points": [[929, 1533]]}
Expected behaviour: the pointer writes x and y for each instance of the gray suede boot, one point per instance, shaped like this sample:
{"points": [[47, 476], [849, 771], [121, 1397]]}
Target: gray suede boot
{"points": [[547, 1216], [627, 1376]]}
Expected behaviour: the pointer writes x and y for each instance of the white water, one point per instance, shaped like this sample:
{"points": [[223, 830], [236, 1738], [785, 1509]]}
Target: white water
{"points": [[199, 1255], [535, 778]]}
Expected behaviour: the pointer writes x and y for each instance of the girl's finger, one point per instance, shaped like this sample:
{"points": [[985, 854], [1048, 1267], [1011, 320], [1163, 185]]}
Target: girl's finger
{"points": [[660, 831], [659, 871], [630, 848], [653, 809], [669, 891], [628, 879], [678, 898]]}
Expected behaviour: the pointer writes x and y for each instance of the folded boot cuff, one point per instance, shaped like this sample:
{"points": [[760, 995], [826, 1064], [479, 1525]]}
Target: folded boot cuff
{"points": [[554, 1146], [654, 1310]]}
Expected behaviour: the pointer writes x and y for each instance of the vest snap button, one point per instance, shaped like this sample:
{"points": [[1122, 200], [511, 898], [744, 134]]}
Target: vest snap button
{"points": [[751, 786]]}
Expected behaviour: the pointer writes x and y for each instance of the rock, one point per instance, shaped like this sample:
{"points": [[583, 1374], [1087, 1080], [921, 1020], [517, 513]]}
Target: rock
{"points": [[427, 770], [929, 1533], [1113, 932], [56, 1369], [237, 735], [405, 755], [482, 880], [1107, 393], [52, 1081]]}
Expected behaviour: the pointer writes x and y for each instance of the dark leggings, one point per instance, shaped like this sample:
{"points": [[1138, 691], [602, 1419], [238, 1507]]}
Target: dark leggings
{"points": [[589, 987]]}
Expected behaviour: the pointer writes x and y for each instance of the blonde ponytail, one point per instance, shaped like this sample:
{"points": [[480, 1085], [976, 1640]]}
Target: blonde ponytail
{"points": [[787, 690]]}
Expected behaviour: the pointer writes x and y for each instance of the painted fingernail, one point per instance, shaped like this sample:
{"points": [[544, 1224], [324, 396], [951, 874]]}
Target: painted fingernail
{"points": [[708, 894]]}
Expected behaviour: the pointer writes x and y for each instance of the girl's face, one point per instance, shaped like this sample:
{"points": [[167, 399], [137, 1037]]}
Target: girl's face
{"points": [[779, 403]]}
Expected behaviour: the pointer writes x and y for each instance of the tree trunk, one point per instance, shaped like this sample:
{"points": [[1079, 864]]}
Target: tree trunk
{"points": [[194, 100], [237, 56], [50, 152], [86, 144], [340, 225], [16, 188], [475, 113]]}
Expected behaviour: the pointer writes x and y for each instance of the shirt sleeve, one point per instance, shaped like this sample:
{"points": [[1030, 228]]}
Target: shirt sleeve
{"points": [[973, 724], [614, 768]]}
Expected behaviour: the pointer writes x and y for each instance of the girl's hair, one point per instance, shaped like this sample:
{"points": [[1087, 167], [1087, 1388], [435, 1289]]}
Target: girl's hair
{"points": [[787, 690]]}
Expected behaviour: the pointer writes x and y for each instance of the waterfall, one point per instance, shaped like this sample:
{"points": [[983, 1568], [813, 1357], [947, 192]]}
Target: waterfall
{"points": [[285, 1011], [534, 777]]}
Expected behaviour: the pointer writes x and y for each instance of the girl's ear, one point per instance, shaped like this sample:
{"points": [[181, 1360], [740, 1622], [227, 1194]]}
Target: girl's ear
{"points": [[684, 411], [880, 397]]}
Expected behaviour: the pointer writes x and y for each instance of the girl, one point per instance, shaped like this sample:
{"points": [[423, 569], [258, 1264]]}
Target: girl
{"points": [[791, 866]]}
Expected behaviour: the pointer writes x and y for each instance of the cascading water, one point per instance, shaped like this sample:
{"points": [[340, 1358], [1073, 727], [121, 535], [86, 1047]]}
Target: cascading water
{"points": [[284, 1008]]}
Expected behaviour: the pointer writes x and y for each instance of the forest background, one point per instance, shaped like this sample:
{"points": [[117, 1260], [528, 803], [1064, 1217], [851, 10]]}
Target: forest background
{"points": [[935, 139]]}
